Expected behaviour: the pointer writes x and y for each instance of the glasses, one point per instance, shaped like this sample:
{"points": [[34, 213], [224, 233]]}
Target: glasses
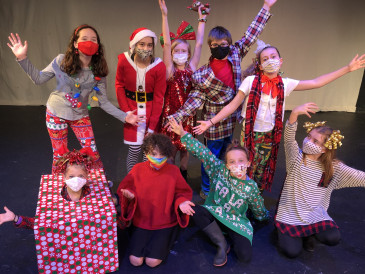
{"points": [[214, 45]]}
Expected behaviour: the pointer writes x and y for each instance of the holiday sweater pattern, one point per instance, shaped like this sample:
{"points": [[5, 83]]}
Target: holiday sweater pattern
{"points": [[229, 197]]}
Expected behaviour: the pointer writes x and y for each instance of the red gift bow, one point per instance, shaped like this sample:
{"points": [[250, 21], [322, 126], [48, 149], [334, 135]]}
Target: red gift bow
{"points": [[185, 31]]}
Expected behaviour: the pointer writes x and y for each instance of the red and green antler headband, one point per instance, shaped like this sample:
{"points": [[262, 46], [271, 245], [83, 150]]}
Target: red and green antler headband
{"points": [[185, 31]]}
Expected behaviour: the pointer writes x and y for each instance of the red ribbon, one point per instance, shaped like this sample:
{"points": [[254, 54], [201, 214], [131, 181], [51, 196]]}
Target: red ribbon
{"points": [[185, 31], [270, 85]]}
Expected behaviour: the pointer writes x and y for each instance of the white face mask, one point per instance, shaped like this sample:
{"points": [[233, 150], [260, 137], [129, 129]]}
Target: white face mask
{"points": [[271, 65], [311, 148], [76, 183], [238, 171], [180, 58]]}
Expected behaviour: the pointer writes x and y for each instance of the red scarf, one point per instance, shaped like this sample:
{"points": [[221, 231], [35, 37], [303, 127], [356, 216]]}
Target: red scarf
{"points": [[251, 111]]}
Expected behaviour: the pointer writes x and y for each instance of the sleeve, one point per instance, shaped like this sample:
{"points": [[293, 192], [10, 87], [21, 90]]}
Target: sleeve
{"points": [[290, 144], [348, 176], [256, 204], [120, 84], [289, 85], [212, 164], [159, 90], [183, 192], [38, 77], [106, 105], [193, 102], [25, 222], [253, 31], [246, 85], [127, 207]]}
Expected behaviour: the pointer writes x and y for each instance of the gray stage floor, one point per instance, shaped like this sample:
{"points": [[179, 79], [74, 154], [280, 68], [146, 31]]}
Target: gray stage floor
{"points": [[25, 152]]}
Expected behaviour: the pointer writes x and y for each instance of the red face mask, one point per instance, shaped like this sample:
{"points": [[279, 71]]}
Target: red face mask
{"points": [[88, 48]]}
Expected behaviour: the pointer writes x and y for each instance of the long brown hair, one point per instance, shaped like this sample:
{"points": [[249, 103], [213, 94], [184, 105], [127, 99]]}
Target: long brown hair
{"points": [[328, 158], [71, 64], [254, 67]]}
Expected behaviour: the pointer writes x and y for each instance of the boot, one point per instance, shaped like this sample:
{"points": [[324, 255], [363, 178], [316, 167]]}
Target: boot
{"points": [[216, 236]]}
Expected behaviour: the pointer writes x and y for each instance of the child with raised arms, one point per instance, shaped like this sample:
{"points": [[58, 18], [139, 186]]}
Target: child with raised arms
{"points": [[231, 194], [180, 63], [264, 96], [313, 173]]}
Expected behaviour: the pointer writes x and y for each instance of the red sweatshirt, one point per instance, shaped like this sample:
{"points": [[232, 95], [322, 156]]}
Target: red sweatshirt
{"points": [[158, 194]]}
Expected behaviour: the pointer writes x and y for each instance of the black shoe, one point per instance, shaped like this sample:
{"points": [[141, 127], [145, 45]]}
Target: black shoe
{"points": [[309, 243]]}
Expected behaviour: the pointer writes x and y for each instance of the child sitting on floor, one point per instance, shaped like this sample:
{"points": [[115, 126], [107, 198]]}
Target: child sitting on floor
{"points": [[156, 198], [75, 166], [232, 192]]}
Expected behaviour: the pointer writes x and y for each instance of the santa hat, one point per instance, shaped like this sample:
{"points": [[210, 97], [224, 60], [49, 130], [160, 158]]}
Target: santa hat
{"points": [[139, 34]]}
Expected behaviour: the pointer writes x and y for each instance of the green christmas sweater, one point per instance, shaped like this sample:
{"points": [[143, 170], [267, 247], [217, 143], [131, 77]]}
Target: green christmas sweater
{"points": [[229, 197]]}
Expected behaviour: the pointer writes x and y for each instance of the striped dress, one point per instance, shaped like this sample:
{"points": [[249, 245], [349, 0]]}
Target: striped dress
{"points": [[303, 204]]}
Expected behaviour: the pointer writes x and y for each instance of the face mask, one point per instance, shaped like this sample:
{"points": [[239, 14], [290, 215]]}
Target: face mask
{"points": [[180, 58], [238, 171], [88, 48], [219, 52], [157, 163], [143, 54], [76, 183], [271, 65], [310, 148]]}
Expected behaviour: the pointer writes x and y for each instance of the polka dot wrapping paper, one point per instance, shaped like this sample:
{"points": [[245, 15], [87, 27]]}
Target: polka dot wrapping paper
{"points": [[76, 237]]}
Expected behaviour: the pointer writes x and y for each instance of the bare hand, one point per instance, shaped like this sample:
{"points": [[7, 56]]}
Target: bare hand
{"points": [[201, 16], [19, 50], [175, 127], [306, 109], [126, 193], [185, 208], [8, 216], [204, 125], [133, 119], [268, 4], [163, 7], [357, 62]]}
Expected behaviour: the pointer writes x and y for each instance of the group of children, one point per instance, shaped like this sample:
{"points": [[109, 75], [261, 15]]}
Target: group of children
{"points": [[163, 96]]}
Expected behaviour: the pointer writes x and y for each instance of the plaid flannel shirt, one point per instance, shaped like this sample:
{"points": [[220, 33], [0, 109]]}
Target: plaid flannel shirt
{"points": [[213, 93]]}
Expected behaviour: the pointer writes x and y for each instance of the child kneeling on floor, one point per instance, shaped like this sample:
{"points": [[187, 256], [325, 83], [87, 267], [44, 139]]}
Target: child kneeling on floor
{"points": [[157, 199], [232, 192]]}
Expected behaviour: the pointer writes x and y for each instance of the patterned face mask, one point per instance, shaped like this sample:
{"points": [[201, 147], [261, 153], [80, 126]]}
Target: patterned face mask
{"points": [[271, 65], [311, 148], [143, 54], [180, 58], [156, 163], [76, 183], [238, 171]]}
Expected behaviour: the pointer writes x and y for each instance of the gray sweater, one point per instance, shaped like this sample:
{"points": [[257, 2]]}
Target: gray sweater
{"points": [[57, 102]]}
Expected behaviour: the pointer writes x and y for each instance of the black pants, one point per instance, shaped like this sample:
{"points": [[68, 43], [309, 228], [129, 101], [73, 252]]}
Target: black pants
{"points": [[293, 246], [241, 245]]}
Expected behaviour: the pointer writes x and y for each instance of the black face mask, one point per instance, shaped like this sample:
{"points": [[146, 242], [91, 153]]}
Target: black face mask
{"points": [[219, 52]]}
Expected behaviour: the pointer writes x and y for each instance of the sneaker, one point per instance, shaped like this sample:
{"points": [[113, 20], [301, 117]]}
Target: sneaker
{"points": [[203, 195]]}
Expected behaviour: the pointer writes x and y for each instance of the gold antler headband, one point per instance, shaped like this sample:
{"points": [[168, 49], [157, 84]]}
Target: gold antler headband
{"points": [[333, 142]]}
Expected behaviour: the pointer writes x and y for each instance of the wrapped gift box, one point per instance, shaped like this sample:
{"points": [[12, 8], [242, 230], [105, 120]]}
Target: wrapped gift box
{"points": [[76, 237]]}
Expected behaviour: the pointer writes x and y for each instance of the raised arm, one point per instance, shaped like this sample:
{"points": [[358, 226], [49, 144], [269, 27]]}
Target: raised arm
{"points": [[355, 64], [224, 113], [167, 58], [194, 60]]}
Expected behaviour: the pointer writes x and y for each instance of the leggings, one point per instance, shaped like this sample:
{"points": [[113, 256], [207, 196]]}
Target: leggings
{"points": [[292, 246], [241, 245], [58, 130], [133, 155]]}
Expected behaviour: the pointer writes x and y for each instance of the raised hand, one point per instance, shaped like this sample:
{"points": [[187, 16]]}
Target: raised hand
{"points": [[8, 216], [126, 193], [357, 62], [163, 7], [201, 15], [305, 109], [16, 45], [200, 129], [133, 119], [175, 127], [185, 208], [268, 4]]}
